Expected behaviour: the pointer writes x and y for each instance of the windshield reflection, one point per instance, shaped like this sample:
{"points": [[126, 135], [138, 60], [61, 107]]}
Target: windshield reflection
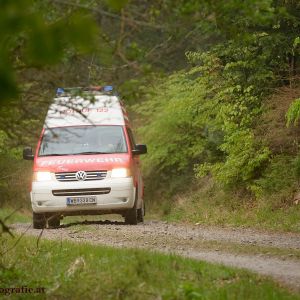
{"points": [[83, 140]]}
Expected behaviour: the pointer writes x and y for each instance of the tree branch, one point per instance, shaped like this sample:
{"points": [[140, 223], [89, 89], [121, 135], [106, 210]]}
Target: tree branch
{"points": [[108, 14]]}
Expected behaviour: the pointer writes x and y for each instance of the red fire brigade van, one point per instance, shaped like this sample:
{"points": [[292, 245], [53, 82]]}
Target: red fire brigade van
{"points": [[86, 161]]}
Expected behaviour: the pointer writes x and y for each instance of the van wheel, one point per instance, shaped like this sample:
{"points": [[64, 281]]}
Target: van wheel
{"points": [[38, 221], [54, 221], [131, 216], [141, 213]]}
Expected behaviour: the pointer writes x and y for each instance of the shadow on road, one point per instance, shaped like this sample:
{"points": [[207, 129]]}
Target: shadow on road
{"points": [[100, 222]]}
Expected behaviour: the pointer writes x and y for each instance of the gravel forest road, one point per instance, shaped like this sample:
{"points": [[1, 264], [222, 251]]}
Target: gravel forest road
{"points": [[271, 254]]}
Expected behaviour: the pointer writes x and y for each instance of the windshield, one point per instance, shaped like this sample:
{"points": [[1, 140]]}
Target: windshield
{"points": [[83, 140]]}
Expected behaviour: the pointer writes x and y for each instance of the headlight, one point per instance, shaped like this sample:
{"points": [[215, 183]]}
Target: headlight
{"points": [[42, 176], [120, 173]]}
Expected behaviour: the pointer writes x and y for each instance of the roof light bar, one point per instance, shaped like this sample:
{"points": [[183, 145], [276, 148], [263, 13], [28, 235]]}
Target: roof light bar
{"points": [[104, 89], [108, 88], [60, 91]]}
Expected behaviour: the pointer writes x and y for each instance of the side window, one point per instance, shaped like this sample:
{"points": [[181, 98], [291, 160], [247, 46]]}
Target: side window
{"points": [[131, 138]]}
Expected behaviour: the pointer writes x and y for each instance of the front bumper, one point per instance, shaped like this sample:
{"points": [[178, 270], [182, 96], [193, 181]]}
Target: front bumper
{"points": [[120, 198]]}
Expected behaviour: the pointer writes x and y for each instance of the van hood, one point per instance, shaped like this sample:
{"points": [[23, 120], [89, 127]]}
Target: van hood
{"points": [[73, 163]]}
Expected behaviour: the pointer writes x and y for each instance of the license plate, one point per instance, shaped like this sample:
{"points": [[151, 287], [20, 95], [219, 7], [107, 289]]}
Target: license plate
{"points": [[81, 200]]}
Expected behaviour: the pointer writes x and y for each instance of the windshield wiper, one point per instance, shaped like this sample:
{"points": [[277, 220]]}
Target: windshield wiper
{"points": [[91, 152], [55, 154]]}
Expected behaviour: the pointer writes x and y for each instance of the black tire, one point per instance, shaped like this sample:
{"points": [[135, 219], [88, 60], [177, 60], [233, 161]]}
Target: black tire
{"points": [[141, 213], [54, 221], [38, 221], [131, 216]]}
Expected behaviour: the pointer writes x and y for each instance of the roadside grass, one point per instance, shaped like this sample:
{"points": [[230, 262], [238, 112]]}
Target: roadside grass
{"points": [[13, 215], [285, 220], [210, 205], [81, 271]]}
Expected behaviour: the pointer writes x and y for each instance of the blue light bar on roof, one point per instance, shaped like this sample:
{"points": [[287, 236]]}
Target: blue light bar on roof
{"points": [[60, 91], [108, 88]]}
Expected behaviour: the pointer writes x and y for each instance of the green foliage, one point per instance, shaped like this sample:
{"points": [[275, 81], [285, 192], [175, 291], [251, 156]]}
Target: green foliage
{"points": [[16, 215], [3, 139], [28, 38], [174, 110], [117, 4], [293, 113], [15, 175], [198, 120], [296, 43], [277, 177], [204, 118], [244, 159], [207, 115], [297, 166], [232, 15]]}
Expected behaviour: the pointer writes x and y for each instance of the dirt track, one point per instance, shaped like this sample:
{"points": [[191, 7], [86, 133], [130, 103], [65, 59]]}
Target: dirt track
{"points": [[204, 243]]}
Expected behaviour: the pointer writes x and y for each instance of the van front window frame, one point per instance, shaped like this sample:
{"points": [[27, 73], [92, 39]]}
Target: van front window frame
{"points": [[84, 144]]}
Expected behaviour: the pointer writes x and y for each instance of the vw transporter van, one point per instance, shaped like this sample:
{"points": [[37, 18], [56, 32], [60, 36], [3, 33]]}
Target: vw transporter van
{"points": [[86, 161]]}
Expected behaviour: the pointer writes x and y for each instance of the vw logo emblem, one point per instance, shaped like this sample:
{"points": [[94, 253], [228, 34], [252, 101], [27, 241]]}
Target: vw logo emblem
{"points": [[80, 175]]}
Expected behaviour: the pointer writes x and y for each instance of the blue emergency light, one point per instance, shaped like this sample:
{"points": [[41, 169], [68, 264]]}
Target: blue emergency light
{"points": [[60, 91], [108, 88]]}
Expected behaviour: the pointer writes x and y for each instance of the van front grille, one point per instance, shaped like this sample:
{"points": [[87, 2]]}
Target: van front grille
{"points": [[71, 176], [81, 192]]}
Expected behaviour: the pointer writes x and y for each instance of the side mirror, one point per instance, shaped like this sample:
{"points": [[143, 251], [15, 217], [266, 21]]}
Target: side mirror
{"points": [[27, 153], [139, 149]]}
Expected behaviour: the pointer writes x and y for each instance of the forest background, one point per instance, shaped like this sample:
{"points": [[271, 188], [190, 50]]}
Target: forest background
{"points": [[212, 88]]}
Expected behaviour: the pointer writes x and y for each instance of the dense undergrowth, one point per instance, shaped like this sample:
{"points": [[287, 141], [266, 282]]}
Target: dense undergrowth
{"points": [[220, 119]]}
